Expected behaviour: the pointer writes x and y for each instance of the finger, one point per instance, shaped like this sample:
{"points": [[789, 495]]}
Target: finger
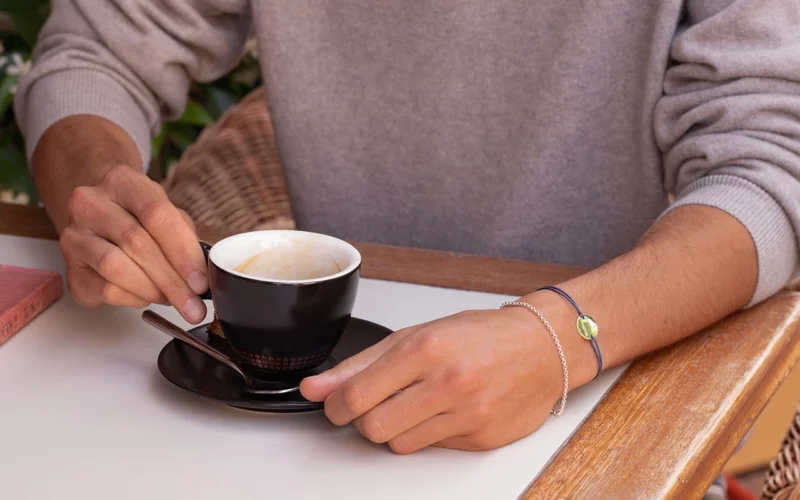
{"points": [[176, 238], [396, 369], [319, 387], [402, 412], [79, 288], [488, 437], [92, 290], [465, 443], [436, 429], [118, 226], [112, 264], [188, 221]]}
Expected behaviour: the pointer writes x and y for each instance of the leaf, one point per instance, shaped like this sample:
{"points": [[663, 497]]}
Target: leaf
{"points": [[29, 22], [14, 172], [6, 97], [219, 100], [158, 142], [194, 114], [12, 167], [180, 136], [28, 186]]}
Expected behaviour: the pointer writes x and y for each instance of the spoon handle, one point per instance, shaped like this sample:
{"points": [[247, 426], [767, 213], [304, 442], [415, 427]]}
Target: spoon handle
{"points": [[179, 333]]}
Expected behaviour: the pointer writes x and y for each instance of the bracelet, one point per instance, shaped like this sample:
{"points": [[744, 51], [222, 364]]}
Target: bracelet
{"points": [[587, 327], [552, 332]]}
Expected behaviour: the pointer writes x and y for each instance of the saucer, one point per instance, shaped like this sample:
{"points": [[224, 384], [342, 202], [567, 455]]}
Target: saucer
{"points": [[198, 373]]}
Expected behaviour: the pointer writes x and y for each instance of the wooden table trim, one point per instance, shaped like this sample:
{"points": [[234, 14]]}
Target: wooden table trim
{"points": [[610, 456]]}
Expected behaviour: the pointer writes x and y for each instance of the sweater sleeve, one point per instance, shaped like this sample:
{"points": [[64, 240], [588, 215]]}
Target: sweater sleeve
{"points": [[728, 123], [129, 61]]}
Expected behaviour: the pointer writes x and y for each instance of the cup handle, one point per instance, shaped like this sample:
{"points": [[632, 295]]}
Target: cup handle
{"points": [[206, 247]]}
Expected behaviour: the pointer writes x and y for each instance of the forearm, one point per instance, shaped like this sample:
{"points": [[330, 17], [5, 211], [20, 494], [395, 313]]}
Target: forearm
{"points": [[78, 151], [694, 267], [104, 67]]}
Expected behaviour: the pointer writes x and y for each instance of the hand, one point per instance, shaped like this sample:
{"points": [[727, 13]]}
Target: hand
{"points": [[473, 381], [126, 245]]}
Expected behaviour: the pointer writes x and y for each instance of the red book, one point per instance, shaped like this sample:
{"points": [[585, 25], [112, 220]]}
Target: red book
{"points": [[24, 293]]}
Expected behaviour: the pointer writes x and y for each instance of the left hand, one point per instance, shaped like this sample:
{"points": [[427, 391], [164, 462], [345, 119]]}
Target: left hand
{"points": [[476, 380]]}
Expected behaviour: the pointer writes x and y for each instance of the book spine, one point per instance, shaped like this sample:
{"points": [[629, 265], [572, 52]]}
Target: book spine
{"points": [[12, 320]]}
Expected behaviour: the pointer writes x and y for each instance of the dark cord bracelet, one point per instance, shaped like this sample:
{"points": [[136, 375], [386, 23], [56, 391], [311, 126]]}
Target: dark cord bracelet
{"points": [[587, 327]]}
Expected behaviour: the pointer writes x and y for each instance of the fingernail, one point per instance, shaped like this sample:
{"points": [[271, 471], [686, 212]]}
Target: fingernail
{"points": [[198, 282], [193, 310]]}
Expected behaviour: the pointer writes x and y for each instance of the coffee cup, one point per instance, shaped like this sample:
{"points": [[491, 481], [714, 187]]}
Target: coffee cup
{"points": [[283, 298]]}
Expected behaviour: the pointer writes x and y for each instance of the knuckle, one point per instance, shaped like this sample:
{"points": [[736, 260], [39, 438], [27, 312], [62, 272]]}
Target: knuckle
{"points": [[372, 429], [74, 287], [155, 297], [353, 399], [333, 415], [482, 441], [136, 239], [401, 445], [187, 218], [74, 290], [108, 262], [80, 203], [66, 241], [461, 377], [117, 175], [174, 285], [482, 412], [157, 214], [109, 293], [84, 301], [81, 297], [157, 188], [65, 247], [430, 345]]}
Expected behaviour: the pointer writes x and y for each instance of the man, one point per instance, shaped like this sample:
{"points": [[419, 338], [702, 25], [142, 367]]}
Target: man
{"points": [[549, 131]]}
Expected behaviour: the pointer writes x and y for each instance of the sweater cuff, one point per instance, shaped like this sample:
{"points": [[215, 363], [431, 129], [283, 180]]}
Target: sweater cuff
{"points": [[83, 92], [763, 217]]}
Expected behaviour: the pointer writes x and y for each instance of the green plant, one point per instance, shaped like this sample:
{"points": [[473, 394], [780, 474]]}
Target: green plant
{"points": [[207, 101]]}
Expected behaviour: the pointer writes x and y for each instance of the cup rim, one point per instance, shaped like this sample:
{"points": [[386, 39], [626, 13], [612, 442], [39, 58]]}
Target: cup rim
{"points": [[354, 265]]}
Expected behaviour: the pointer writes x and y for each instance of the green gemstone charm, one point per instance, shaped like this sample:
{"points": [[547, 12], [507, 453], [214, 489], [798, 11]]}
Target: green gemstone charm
{"points": [[587, 327]]}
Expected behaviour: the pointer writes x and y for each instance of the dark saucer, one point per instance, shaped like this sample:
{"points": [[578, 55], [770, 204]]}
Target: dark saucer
{"points": [[196, 372]]}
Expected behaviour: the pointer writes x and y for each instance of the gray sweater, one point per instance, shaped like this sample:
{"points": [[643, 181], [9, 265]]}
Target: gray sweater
{"points": [[544, 130]]}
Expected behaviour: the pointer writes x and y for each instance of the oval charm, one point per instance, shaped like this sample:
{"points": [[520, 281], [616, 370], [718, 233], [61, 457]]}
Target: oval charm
{"points": [[587, 327]]}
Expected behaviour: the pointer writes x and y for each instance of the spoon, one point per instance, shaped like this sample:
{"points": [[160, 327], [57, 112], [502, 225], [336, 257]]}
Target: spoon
{"points": [[251, 385]]}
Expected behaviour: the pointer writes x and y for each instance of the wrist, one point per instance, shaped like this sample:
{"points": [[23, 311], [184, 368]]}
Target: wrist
{"points": [[581, 360], [77, 151], [541, 355]]}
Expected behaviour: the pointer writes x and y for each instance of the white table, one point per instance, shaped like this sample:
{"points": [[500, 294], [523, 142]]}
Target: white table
{"points": [[85, 414]]}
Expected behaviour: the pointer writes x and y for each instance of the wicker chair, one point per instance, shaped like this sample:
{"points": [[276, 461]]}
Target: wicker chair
{"points": [[231, 177], [783, 478]]}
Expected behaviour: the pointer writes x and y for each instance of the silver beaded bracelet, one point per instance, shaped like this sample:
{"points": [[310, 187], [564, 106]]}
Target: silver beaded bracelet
{"points": [[552, 332]]}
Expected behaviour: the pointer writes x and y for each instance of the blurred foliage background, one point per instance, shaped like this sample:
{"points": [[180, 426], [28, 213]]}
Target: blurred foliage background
{"points": [[20, 23]]}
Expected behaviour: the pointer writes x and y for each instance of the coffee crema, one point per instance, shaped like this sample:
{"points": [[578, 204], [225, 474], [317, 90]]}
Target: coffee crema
{"points": [[291, 263]]}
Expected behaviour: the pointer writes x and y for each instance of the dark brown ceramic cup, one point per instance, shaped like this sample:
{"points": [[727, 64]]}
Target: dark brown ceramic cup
{"points": [[283, 298]]}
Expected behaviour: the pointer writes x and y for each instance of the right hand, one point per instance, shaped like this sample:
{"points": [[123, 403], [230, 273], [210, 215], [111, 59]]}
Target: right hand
{"points": [[127, 245]]}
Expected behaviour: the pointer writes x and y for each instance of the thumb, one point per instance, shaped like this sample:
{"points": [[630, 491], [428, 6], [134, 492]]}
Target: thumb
{"points": [[319, 387]]}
